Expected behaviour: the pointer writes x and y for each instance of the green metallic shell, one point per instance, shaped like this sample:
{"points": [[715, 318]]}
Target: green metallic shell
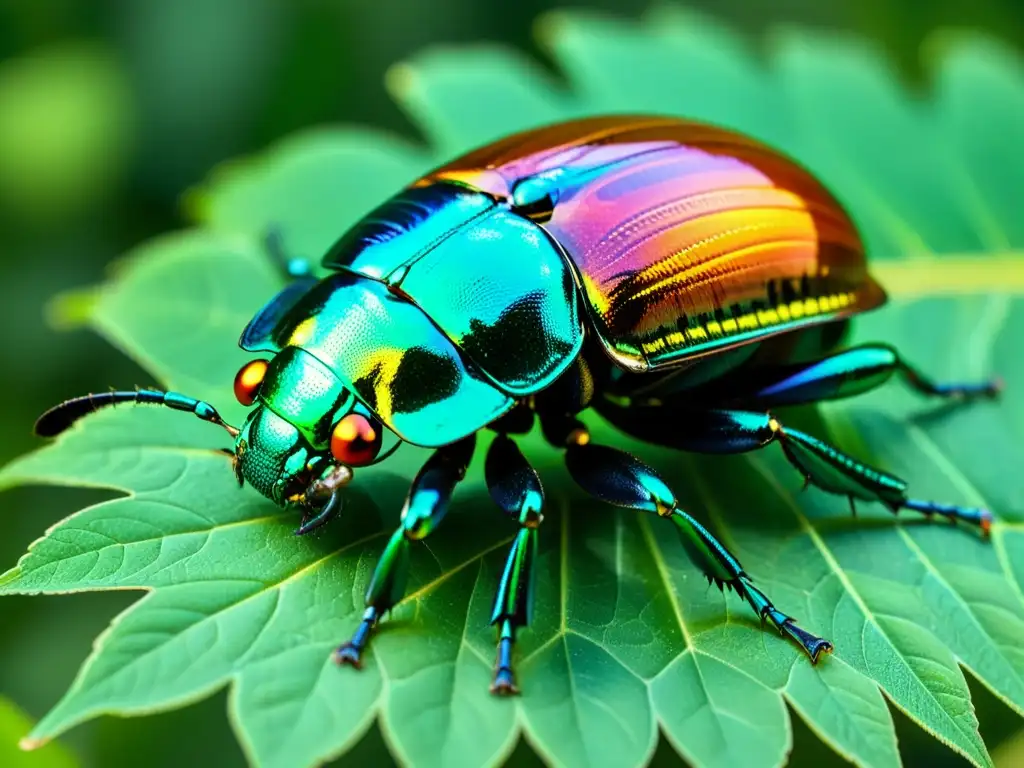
{"points": [[306, 392], [270, 443], [385, 350], [257, 334], [492, 281]]}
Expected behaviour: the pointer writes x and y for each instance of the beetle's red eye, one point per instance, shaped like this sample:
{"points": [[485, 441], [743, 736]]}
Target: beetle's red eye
{"points": [[248, 380], [356, 440]]}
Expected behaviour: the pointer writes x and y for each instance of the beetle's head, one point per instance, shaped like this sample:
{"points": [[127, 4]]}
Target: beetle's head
{"points": [[305, 463], [300, 443]]}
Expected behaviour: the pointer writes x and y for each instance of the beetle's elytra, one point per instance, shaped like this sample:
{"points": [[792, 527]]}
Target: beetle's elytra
{"points": [[678, 278]]}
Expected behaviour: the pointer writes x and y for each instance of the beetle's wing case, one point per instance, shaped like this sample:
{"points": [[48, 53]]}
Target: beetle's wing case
{"points": [[492, 281], [687, 238]]}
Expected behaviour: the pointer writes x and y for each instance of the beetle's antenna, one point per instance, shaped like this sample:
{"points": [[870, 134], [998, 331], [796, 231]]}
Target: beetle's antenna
{"points": [[62, 416]]}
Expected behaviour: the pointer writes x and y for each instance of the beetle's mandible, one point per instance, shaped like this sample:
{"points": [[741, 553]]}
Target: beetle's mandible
{"points": [[678, 278]]}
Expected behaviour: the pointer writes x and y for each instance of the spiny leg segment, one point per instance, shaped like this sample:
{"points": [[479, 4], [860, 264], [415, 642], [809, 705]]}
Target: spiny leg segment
{"points": [[424, 508], [833, 471], [619, 478]]}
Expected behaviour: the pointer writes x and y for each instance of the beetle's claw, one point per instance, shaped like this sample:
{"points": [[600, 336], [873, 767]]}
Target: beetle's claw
{"points": [[985, 522], [813, 645], [504, 683], [348, 654], [823, 647]]}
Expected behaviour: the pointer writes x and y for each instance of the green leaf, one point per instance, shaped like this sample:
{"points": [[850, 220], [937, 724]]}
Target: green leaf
{"points": [[627, 640]]}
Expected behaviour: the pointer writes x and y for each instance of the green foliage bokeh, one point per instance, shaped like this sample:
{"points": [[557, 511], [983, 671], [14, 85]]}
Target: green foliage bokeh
{"points": [[140, 151]]}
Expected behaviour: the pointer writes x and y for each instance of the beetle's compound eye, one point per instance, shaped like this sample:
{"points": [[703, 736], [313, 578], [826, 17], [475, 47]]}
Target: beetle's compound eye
{"points": [[356, 440], [248, 380]]}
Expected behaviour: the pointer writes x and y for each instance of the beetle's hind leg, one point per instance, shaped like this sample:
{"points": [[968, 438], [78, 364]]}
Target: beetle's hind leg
{"points": [[845, 374], [820, 464], [424, 508], [833, 471], [516, 489], [619, 478]]}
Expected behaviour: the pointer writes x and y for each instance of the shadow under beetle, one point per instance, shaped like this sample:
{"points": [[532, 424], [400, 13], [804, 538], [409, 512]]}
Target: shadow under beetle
{"points": [[678, 278]]}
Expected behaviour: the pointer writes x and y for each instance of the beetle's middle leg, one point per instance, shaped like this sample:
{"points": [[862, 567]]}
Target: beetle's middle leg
{"points": [[619, 478], [516, 489], [424, 508]]}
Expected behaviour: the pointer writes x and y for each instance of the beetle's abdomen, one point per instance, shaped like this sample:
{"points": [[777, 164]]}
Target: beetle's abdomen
{"points": [[686, 238], [684, 251], [492, 281]]}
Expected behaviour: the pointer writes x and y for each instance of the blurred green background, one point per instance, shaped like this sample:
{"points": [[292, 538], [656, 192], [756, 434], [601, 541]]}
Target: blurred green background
{"points": [[111, 109]]}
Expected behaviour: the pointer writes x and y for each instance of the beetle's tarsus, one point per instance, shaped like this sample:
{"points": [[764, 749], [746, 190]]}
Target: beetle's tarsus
{"points": [[954, 391], [813, 645], [975, 516], [349, 655], [831, 470], [504, 683]]}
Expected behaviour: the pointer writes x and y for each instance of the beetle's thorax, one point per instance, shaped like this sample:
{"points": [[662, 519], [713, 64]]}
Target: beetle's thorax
{"points": [[446, 308]]}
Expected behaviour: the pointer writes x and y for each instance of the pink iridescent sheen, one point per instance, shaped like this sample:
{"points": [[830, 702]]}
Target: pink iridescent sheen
{"points": [[686, 238]]}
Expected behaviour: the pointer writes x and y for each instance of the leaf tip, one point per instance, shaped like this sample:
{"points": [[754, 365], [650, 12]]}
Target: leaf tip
{"points": [[8, 576], [71, 310], [195, 204], [400, 80], [28, 744], [549, 26]]}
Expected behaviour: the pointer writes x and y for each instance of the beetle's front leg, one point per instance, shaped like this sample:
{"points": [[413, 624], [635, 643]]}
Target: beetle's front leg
{"points": [[618, 478], [424, 508], [516, 489]]}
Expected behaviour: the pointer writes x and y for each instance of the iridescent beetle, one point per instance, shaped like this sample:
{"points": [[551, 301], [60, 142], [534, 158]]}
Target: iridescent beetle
{"points": [[678, 278]]}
